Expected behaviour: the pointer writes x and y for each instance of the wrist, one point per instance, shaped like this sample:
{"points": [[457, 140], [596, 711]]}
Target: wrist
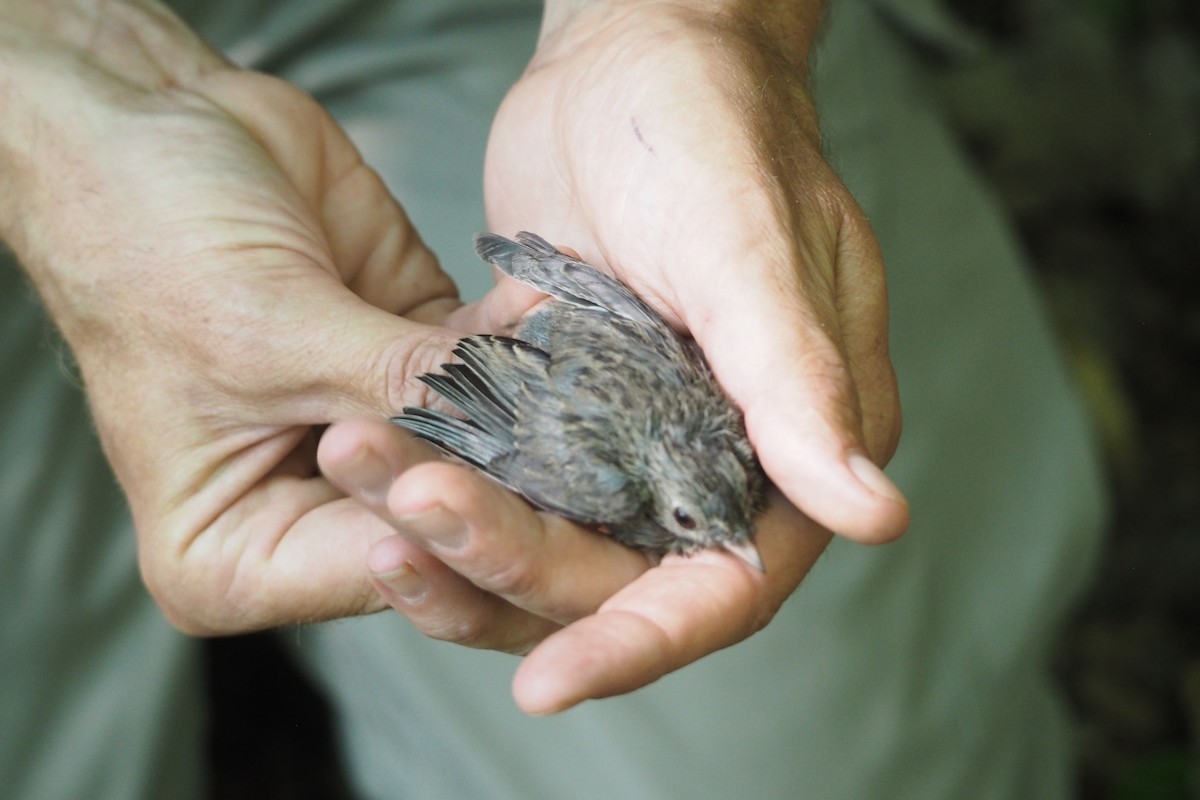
{"points": [[789, 27]]}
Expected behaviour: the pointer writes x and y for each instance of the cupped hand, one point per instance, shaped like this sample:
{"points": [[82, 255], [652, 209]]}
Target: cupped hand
{"points": [[231, 277], [680, 148], [476, 565]]}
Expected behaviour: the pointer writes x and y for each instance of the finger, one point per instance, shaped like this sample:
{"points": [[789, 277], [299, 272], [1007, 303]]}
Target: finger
{"points": [[329, 358], [536, 561], [294, 548], [862, 308], [374, 247], [443, 605], [289, 551], [773, 338], [364, 457], [671, 616], [512, 573], [499, 311]]}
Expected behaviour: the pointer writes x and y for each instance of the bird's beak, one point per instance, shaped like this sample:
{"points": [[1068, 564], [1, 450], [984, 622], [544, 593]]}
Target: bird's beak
{"points": [[746, 551]]}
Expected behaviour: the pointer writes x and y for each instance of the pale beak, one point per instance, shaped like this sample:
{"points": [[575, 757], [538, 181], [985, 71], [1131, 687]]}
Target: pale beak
{"points": [[746, 551]]}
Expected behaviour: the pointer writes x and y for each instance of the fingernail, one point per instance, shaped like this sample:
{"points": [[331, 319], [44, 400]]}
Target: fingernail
{"points": [[437, 525], [371, 475], [406, 583], [873, 478]]}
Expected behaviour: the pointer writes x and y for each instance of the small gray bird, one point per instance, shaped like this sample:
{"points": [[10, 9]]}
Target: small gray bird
{"points": [[600, 412]]}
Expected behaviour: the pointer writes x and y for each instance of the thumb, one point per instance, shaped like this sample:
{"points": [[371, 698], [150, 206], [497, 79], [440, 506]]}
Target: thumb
{"points": [[351, 358], [365, 363], [806, 378]]}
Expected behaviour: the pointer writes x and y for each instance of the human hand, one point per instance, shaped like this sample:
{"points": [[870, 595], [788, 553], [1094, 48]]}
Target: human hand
{"points": [[680, 148], [228, 274], [208, 423], [478, 566]]}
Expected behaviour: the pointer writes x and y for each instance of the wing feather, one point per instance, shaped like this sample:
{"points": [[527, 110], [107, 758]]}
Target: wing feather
{"points": [[535, 262], [484, 388]]}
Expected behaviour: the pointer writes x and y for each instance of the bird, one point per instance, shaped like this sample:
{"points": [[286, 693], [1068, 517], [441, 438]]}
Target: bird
{"points": [[597, 410]]}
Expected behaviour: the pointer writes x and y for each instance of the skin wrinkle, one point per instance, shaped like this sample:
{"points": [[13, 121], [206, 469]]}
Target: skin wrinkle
{"points": [[155, 31], [208, 501], [511, 573], [416, 354], [515, 578], [238, 580], [495, 614], [364, 274], [488, 509]]}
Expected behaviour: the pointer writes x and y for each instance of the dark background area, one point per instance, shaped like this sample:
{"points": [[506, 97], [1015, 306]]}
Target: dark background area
{"points": [[1085, 116], [1086, 119]]}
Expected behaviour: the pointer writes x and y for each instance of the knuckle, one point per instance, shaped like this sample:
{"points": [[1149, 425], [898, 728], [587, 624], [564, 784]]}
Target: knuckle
{"points": [[882, 433], [881, 412], [503, 554], [827, 369], [468, 629]]}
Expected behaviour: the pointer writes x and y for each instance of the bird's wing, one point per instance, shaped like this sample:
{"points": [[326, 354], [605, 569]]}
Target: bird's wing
{"points": [[455, 436], [530, 457], [535, 262], [567, 459], [577, 485], [485, 388]]}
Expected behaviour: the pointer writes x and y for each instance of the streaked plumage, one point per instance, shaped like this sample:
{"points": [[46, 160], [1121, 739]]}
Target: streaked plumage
{"points": [[597, 410]]}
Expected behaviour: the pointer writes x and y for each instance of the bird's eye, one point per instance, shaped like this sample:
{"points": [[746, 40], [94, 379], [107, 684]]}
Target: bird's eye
{"points": [[684, 519]]}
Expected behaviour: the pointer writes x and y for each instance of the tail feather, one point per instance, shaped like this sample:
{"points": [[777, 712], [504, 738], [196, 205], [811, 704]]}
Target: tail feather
{"points": [[455, 436]]}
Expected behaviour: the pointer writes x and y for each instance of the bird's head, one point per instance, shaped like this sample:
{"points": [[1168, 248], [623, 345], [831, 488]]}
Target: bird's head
{"points": [[705, 491]]}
